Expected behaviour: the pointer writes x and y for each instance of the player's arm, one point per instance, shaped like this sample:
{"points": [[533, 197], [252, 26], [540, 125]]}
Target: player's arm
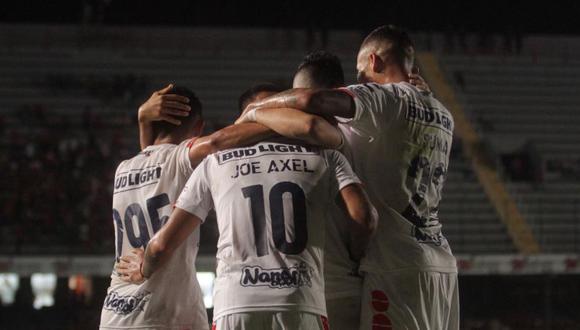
{"points": [[139, 266], [229, 137], [160, 106], [297, 124], [160, 248], [327, 102], [323, 102], [355, 203], [363, 218]]}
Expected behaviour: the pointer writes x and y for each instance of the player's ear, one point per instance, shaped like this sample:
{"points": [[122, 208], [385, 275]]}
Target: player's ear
{"points": [[376, 63]]}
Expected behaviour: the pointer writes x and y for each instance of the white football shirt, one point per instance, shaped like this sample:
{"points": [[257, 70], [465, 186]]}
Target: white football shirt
{"points": [[341, 277], [400, 140], [272, 202], [145, 190]]}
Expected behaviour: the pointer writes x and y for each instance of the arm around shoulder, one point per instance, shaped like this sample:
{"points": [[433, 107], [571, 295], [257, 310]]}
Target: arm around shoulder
{"points": [[232, 136]]}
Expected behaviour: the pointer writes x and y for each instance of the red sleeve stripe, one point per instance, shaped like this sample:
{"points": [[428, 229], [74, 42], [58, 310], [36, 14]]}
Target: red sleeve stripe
{"points": [[191, 142], [347, 91]]}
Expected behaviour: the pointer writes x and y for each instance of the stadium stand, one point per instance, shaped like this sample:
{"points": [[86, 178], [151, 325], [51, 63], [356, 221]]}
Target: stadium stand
{"points": [[89, 95], [525, 108]]}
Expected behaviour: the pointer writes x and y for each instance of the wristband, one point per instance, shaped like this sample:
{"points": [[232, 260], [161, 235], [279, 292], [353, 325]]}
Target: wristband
{"points": [[251, 115]]}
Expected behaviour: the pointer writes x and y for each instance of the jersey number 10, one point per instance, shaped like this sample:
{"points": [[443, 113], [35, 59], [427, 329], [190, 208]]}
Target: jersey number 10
{"points": [[256, 195]]}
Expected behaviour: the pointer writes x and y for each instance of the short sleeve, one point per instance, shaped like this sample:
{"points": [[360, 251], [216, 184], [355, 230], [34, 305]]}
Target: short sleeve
{"points": [[196, 196], [342, 174], [374, 105], [182, 156]]}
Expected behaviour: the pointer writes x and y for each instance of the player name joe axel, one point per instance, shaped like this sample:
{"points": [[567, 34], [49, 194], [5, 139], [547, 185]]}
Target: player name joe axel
{"points": [[269, 166], [274, 165]]}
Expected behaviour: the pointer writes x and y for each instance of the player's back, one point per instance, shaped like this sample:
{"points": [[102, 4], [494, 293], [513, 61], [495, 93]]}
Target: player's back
{"points": [[271, 202], [401, 139], [145, 190]]}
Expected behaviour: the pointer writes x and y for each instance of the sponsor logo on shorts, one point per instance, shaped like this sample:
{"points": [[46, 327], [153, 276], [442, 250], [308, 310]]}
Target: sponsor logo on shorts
{"points": [[279, 278], [435, 238], [124, 305]]}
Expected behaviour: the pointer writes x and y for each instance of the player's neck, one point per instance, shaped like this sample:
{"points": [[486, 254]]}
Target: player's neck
{"points": [[391, 76], [167, 139]]}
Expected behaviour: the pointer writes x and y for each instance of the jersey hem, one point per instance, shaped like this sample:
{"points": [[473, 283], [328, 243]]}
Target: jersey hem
{"points": [[282, 308], [379, 270], [154, 326], [344, 294]]}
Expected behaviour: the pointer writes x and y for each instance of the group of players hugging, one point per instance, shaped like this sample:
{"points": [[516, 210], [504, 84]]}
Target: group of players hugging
{"points": [[326, 198]]}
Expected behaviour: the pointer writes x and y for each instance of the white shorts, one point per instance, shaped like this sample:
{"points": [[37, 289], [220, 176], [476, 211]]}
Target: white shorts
{"points": [[271, 321], [344, 313], [156, 327], [151, 317], [410, 300]]}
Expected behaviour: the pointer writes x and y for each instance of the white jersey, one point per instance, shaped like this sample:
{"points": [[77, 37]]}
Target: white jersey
{"points": [[271, 201], [400, 140], [341, 277], [145, 190]]}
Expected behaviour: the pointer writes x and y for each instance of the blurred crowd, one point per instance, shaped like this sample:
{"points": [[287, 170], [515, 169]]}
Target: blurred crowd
{"points": [[126, 88], [58, 174]]}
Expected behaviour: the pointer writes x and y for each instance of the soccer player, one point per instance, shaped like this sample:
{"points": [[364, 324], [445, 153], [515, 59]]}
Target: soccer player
{"points": [[400, 140], [145, 190], [257, 92], [343, 284], [271, 201]]}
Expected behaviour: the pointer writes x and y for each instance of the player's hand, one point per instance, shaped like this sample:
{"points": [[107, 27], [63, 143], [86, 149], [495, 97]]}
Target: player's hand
{"points": [[129, 267], [418, 81], [163, 106], [241, 119], [249, 115]]}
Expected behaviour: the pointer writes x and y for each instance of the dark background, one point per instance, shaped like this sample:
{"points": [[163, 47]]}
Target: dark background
{"points": [[435, 16]]}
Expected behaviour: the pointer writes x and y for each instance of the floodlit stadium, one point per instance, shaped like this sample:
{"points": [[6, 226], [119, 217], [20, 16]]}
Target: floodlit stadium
{"points": [[72, 81]]}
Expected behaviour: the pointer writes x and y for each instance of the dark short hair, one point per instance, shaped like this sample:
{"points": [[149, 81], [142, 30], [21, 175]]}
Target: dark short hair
{"points": [[324, 69], [165, 128], [402, 47], [249, 95]]}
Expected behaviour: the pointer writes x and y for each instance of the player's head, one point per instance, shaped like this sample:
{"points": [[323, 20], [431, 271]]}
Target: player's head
{"points": [[192, 125], [256, 93], [386, 53], [320, 69]]}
